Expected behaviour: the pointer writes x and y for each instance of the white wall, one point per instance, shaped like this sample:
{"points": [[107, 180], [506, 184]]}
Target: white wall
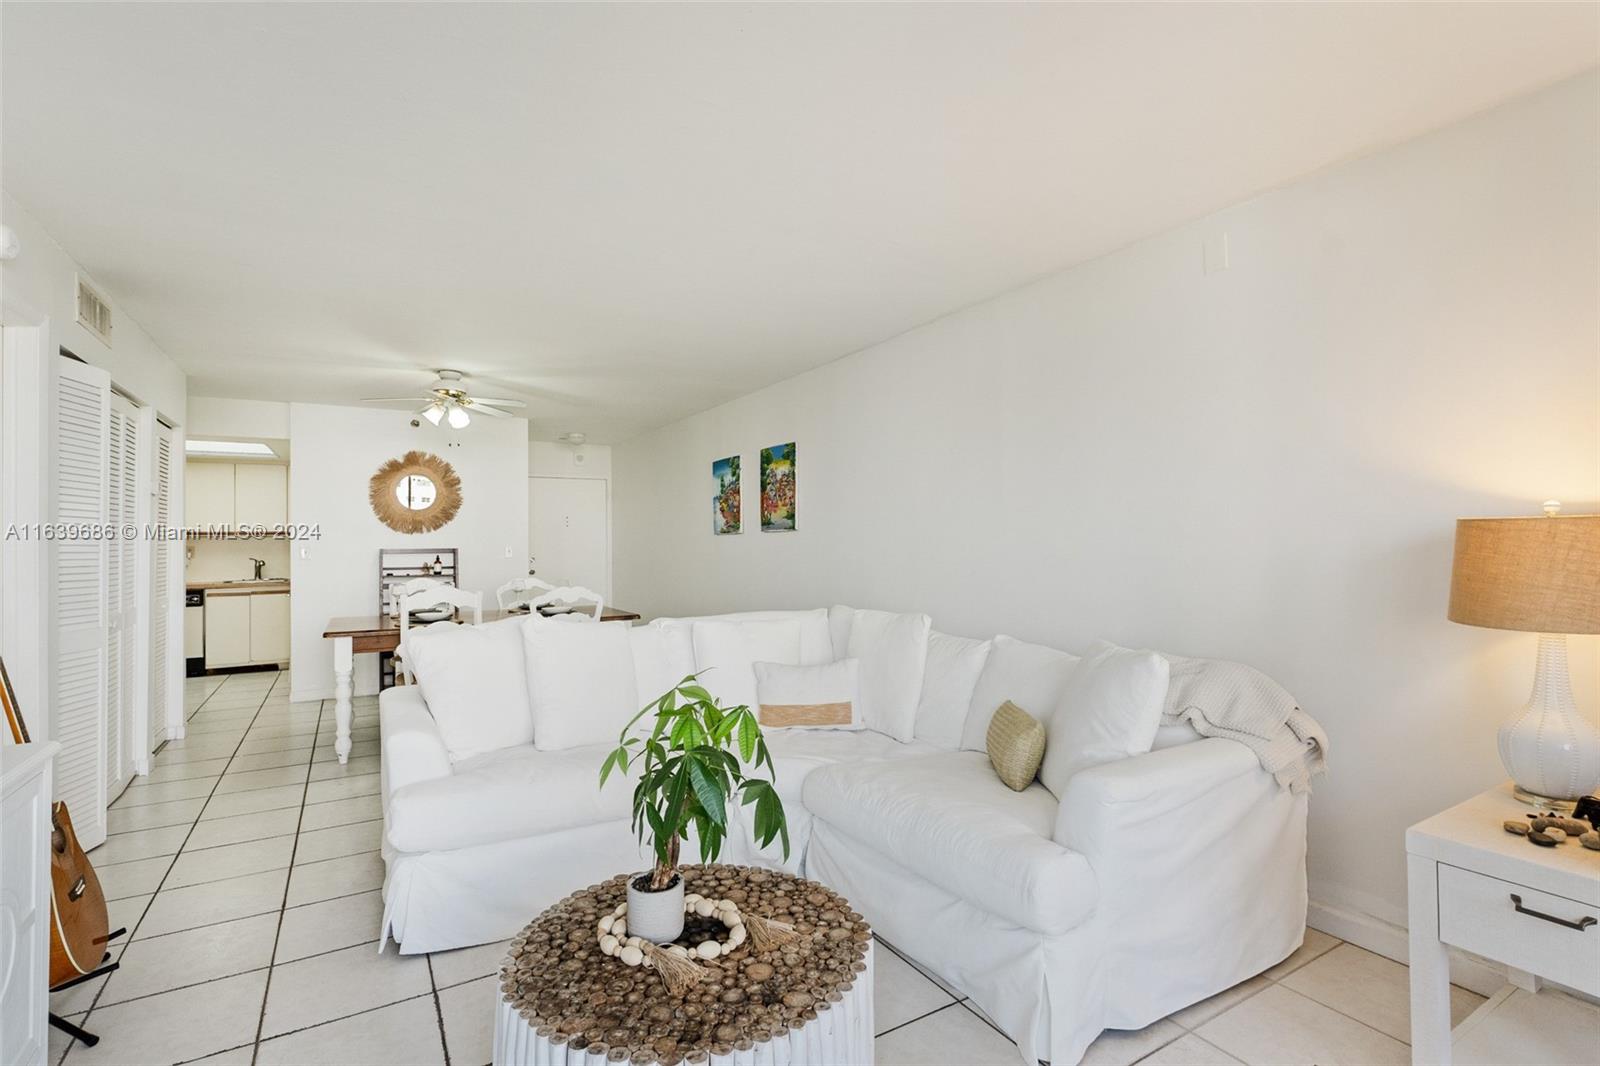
{"points": [[1262, 464], [212, 416], [336, 451], [42, 280], [216, 559]]}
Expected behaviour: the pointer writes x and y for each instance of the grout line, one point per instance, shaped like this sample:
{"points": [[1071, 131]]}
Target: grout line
{"points": [[438, 1010], [341, 1018], [918, 1018], [261, 1022], [133, 932]]}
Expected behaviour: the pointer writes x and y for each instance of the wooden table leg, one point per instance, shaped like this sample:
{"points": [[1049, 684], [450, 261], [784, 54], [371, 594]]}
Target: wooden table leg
{"points": [[343, 666], [1430, 967]]}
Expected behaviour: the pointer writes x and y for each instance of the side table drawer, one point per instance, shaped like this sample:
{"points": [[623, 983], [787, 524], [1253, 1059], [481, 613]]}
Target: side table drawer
{"points": [[1478, 913]]}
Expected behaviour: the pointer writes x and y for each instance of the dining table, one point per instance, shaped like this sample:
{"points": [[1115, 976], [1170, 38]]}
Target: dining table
{"points": [[362, 634]]}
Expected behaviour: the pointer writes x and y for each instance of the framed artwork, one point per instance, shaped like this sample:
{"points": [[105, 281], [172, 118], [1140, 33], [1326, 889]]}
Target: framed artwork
{"points": [[777, 488], [726, 514]]}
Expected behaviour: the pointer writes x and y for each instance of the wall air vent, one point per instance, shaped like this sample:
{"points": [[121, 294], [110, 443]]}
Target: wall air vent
{"points": [[94, 314]]}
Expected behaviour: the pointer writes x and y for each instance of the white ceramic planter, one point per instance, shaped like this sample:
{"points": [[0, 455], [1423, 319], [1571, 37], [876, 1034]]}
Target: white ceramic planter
{"points": [[656, 916]]}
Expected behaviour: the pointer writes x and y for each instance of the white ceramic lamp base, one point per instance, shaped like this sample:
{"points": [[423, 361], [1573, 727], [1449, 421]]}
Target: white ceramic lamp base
{"points": [[1550, 750]]}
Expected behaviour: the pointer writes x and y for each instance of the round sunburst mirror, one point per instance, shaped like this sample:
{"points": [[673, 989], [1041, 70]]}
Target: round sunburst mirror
{"points": [[416, 493]]}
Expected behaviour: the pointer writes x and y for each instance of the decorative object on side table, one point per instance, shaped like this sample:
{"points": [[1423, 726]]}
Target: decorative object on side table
{"points": [[803, 998], [1537, 575], [689, 773]]}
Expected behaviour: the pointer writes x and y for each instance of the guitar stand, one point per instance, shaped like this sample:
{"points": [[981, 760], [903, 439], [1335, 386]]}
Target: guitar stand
{"points": [[87, 1038]]}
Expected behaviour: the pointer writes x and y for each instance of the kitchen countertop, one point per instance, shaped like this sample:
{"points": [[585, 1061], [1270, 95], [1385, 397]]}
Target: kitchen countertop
{"points": [[271, 584]]}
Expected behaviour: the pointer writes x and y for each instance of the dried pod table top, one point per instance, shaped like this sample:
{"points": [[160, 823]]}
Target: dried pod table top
{"points": [[806, 1000]]}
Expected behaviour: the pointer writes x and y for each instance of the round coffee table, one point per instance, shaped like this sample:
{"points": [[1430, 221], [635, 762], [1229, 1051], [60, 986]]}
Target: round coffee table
{"points": [[564, 1002]]}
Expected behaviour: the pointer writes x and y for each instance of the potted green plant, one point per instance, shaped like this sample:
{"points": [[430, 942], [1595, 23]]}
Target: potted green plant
{"points": [[694, 759]]}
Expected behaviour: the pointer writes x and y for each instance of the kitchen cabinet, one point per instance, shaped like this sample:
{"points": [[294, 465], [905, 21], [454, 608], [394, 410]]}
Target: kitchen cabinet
{"points": [[260, 494], [269, 627], [227, 630], [230, 495], [208, 494]]}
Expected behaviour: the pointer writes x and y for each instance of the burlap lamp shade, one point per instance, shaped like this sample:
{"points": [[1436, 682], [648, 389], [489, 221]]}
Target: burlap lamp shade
{"points": [[1537, 575]]}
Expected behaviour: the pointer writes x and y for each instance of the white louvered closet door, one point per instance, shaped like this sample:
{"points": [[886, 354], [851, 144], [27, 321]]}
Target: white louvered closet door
{"points": [[82, 449], [122, 650], [162, 594]]}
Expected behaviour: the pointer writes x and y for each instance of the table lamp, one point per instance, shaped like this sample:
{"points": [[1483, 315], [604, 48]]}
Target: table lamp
{"points": [[1537, 575]]}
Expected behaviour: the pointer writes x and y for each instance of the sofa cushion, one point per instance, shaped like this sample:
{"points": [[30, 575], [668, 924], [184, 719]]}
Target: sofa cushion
{"points": [[948, 818], [1029, 675], [662, 657], [893, 650], [473, 680], [948, 681], [839, 619], [580, 682], [725, 654], [816, 646], [507, 795], [808, 697], [1110, 709]]}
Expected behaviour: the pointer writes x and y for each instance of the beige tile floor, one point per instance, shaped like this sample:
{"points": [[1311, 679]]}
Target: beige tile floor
{"points": [[246, 868]]}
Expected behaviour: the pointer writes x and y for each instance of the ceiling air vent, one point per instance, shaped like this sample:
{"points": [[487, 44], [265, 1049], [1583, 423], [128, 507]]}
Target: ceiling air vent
{"points": [[94, 314]]}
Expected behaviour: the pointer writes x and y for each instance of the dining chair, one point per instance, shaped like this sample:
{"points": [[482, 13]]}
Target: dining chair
{"points": [[573, 594], [429, 592], [520, 590]]}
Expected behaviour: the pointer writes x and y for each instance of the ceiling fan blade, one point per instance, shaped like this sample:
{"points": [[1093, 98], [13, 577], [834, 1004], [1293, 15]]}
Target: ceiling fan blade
{"points": [[478, 408], [498, 401], [392, 399]]}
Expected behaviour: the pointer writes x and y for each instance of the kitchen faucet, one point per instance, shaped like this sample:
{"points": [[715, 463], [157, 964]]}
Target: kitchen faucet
{"points": [[260, 565]]}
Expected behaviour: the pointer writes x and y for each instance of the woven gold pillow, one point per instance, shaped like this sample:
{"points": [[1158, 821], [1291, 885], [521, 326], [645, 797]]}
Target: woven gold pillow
{"points": [[1016, 745]]}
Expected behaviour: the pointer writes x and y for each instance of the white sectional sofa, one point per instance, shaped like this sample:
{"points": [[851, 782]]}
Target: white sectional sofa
{"points": [[1150, 883]]}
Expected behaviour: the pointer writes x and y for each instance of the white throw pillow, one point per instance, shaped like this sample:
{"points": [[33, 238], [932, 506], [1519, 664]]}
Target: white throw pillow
{"points": [[1029, 675], [816, 645], [662, 657], [893, 649], [808, 697], [951, 676], [473, 680], [1110, 709], [724, 652], [580, 682]]}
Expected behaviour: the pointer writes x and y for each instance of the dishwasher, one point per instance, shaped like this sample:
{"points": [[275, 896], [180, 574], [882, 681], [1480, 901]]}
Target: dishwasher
{"points": [[194, 632]]}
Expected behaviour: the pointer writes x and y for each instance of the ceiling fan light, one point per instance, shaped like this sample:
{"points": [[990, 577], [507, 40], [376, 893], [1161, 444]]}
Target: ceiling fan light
{"points": [[459, 419], [433, 413]]}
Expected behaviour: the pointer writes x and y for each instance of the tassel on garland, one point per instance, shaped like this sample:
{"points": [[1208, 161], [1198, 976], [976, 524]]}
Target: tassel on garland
{"points": [[677, 972], [768, 933]]}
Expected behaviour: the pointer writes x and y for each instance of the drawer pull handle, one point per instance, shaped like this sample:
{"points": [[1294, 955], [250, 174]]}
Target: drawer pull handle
{"points": [[1580, 925]]}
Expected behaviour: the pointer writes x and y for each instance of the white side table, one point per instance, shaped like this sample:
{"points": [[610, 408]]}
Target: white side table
{"points": [[1473, 886]]}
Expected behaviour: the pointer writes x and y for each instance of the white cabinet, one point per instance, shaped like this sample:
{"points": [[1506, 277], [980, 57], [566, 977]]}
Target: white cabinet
{"points": [[230, 495], [25, 901], [227, 629], [208, 494], [246, 628], [260, 494], [269, 627]]}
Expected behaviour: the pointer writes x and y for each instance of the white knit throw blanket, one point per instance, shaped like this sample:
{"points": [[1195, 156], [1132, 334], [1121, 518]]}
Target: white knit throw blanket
{"points": [[1223, 699]]}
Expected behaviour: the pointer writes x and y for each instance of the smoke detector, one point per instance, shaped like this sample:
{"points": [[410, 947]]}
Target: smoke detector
{"points": [[576, 440]]}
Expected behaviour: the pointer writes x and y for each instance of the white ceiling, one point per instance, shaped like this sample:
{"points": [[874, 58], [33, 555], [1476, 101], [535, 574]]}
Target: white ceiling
{"points": [[626, 214]]}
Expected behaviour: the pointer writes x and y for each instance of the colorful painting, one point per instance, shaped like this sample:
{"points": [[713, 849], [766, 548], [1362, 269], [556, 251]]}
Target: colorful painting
{"points": [[725, 507], [777, 488]]}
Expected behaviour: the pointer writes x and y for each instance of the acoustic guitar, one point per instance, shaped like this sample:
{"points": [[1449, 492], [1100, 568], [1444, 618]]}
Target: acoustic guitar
{"points": [[79, 925]]}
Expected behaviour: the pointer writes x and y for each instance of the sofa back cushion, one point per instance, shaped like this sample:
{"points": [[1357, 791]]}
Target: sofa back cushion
{"points": [[1029, 675], [473, 680], [816, 645], [1110, 709], [580, 682], [893, 650], [725, 651], [951, 676], [823, 696], [662, 657]]}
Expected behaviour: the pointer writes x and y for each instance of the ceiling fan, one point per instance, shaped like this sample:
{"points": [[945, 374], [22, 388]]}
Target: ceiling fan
{"points": [[447, 400]]}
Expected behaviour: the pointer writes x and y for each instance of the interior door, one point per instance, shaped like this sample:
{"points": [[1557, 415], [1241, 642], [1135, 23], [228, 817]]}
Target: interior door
{"points": [[568, 531], [82, 452], [122, 647], [162, 593]]}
